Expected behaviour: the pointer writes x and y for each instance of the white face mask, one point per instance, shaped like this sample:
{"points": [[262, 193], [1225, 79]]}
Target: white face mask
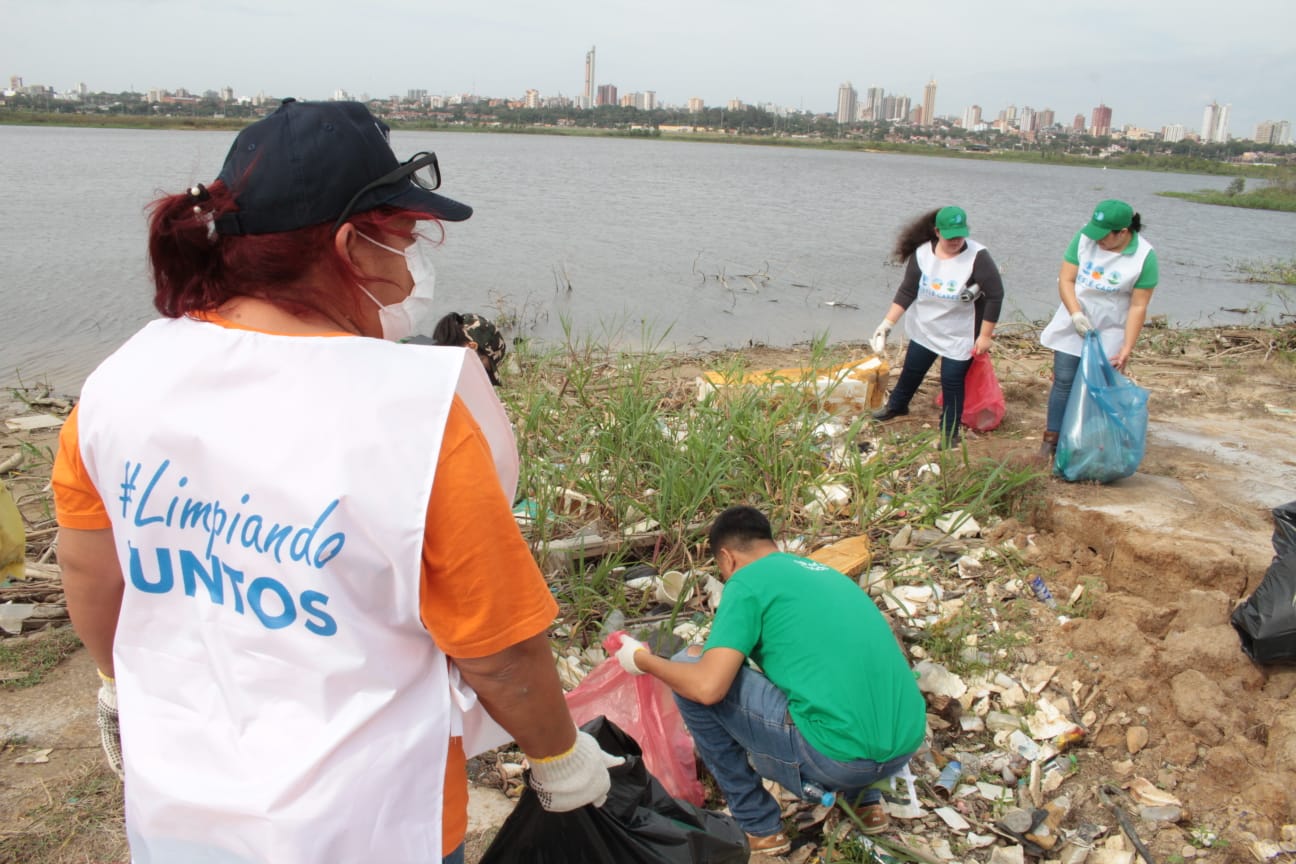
{"points": [[400, 320]]}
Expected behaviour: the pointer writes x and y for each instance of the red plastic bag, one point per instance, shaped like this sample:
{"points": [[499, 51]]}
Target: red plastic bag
{"points": [[644, 708], [983, 400]]}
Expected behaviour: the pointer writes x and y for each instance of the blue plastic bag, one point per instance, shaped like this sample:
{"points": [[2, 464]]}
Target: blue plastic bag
{"points": [[1104, 430]]}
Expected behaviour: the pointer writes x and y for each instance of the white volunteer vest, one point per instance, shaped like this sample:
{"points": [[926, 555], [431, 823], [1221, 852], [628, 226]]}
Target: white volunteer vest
{"points": [[280, 698], [938, 319], [1104, 286]]}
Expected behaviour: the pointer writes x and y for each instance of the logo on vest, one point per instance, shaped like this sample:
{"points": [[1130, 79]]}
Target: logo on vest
{"points": [[944, 289], [198, 532], [1099, 278]]}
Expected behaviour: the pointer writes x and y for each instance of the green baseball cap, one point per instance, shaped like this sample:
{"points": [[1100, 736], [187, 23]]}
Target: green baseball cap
{"points": [[952, 222], [1110, 215]]}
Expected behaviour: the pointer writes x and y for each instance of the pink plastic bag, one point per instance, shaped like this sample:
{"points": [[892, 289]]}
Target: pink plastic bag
{"points": [[644, 708], [983, 399]]}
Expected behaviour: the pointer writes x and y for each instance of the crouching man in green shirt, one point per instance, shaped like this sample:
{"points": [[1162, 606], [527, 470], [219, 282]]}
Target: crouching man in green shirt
{"points": [[836, 708]]}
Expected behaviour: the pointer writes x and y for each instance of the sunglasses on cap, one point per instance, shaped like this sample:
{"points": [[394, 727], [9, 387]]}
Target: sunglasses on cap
{"points": [[421, 169]]}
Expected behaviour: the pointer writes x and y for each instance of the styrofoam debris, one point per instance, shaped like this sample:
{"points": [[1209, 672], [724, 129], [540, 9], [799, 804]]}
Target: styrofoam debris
{"points": [[958, 524], [936, 679], [951, 817]]}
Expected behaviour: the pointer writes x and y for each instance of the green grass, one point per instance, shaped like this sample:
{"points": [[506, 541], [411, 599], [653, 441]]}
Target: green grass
{"points": [[616, 426], [36, 655], [1273, 196]]}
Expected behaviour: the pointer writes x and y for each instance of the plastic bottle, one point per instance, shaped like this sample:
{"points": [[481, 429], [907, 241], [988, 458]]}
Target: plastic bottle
{"points": [[1042, 592], [949, 777], [813, 792]]}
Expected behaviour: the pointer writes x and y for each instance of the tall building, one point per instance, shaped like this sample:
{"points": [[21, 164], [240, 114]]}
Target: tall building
{"points": [[846, 99], [587, 95], [1026, 119], [1044, 120], [1100, 123], [607, 95], [649, 100], [1215, 124], [696, 105], [1274, 132], [873, 104], [929, 104], [735, 105], [1171, 134], [895, 109], [972, 117], [532, 99], [16, 83], [1077, 124]]}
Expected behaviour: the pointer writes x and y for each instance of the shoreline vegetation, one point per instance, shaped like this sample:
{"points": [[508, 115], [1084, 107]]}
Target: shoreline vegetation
{"points": [[1278, 194], [1046, 155]]}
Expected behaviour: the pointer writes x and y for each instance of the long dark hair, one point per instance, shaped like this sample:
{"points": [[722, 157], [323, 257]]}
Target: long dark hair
{"points": [[919, 231], [450, 331]]}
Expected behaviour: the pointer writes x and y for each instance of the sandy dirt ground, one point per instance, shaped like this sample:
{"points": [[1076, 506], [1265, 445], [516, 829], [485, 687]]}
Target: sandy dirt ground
{"points": [[1163, 556]]}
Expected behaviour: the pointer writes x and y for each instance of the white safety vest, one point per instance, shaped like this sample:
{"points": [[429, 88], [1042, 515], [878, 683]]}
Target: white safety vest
{"points": [[939, 319], [1104, 286], [281, 700]]}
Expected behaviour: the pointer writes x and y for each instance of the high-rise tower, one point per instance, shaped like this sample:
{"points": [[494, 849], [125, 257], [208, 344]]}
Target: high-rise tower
{"points": [[588, 95], [929, 104], [846, 99]]}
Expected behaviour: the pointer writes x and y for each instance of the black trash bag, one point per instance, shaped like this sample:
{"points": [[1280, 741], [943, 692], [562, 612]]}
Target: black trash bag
{"points": [[1267, 620], [640, 823]]}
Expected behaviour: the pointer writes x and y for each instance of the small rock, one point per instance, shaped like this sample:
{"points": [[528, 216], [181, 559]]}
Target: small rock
{"points": [[1163, 813], [1188, 852], [1110, 856], [1074, 854], [1123, 769], [1136, 738], [1017, 821]]}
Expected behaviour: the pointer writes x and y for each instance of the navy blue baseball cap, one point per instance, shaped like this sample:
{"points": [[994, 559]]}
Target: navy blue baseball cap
{"points": [[308, 163]]}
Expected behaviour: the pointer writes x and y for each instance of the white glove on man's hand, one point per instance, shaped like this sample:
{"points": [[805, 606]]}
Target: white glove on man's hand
{"points": [[574, 779], [878, 343], [109, 726], [625, 654], [1082, 323]]}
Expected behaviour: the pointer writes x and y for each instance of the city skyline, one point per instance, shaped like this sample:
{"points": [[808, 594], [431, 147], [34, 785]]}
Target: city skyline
{"points": [[1170, 64]]}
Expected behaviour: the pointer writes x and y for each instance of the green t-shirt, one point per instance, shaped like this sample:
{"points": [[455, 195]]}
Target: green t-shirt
{"points": [[1148, 277], [818, 637]]}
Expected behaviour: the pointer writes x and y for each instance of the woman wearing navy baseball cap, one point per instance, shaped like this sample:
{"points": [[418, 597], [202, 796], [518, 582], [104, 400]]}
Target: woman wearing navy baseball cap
{"points": [[275, 540]]}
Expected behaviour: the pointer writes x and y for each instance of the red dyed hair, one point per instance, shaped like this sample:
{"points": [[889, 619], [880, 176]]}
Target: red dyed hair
{"points": [[197, 270]]}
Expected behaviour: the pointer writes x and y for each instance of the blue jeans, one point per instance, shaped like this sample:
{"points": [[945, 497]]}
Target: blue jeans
{"points": [[1064, 372], [919, 359], [749, 735], [455, 857]]}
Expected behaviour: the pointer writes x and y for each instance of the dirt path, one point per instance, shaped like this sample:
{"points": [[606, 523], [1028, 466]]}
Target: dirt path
{"points": [[1163, 557]]}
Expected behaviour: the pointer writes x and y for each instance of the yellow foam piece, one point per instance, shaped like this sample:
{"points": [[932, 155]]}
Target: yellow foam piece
{"points": [[851, 556], [850, 387]]}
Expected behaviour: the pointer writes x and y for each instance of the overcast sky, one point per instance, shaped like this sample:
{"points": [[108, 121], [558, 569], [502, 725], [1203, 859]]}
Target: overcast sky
{"points": [[1155, 62]]}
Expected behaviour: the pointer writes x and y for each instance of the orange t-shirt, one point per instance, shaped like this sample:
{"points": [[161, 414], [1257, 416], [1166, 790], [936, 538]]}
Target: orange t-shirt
{"points": [[480, 591]]}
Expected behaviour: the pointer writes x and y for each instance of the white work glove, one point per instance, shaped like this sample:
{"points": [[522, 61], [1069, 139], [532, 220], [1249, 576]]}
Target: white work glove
{"points": [[878, 343], [109, 726], [625, 654], [575, 778], [1082, 323]]}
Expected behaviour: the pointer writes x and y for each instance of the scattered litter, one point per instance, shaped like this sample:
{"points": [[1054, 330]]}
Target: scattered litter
{"points": [[34, 757], [33, 423], [958, 524], [1144, 792], [936, 679], [951, 818]]}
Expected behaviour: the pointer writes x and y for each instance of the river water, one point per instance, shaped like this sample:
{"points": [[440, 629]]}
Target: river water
{"points": [[677, 245]]}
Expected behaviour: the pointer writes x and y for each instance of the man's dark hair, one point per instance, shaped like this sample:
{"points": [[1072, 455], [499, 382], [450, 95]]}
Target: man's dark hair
{"points": [[739, 527]]}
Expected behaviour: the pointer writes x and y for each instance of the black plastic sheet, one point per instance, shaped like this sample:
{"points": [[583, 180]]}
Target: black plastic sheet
{"points": [[639, 824]]}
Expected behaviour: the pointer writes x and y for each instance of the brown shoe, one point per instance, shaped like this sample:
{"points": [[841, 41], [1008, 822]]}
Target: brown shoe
{"points": [[774, 844], [874, 818]]}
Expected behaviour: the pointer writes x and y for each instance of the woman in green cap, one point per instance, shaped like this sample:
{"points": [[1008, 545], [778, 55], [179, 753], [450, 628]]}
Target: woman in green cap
{"points": [[954, 292], [1108, 273]]}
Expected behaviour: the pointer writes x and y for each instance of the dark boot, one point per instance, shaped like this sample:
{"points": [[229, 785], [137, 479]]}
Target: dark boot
{"points": [[1048, 448]]}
